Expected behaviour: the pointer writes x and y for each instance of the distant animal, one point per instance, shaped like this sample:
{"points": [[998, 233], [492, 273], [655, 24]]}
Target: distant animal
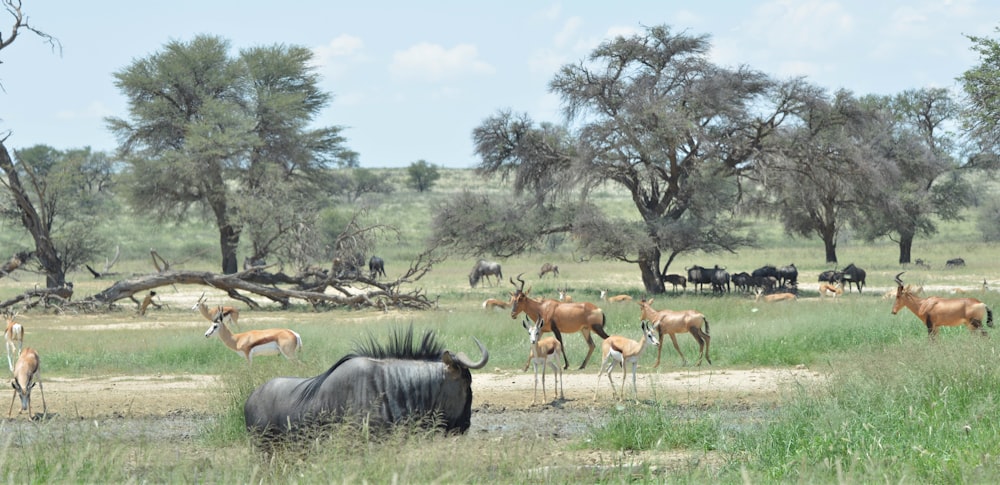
{"points": [[272, 341], [954, 263], [495, 303], [380, 385], [376, 267], [765, 277], [832, 276], [559, 317], [670, 322], [548, 268], [614, 299], [834, 288], [699, 277], [774, 297], [484, 268], [675, 280], [742, 281], [720, 280], [544, 352], [922, 263], [230, 314], [618, 350], [853, 274], [565, 297], [936, 312], [14, 337], [27, 373], [788, 275]]}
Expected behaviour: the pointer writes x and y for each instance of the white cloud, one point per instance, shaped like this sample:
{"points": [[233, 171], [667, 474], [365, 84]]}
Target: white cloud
{"points": [[432, 62], [568, 32], [334, 58]]}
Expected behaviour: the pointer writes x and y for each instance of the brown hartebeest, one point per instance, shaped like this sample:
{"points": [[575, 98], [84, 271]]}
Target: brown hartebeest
{"points": [[673, 322], [773, 297], [624, 351], [938, 312], [560, 317], [544, 353]]}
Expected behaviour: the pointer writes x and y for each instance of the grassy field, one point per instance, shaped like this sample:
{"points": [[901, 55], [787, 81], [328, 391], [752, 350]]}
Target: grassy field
{"points": [[894, 407]]}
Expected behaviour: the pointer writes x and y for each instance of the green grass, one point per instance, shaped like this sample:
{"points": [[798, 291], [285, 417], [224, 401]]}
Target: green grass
{"points": [[893, 406]]}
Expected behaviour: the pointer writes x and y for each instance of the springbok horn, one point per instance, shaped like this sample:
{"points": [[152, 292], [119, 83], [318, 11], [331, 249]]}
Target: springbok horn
{"points": [[464, 361], [899, 281]]}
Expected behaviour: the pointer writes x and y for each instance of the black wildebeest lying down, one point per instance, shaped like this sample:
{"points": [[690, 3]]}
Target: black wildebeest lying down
{"points": [[384, 385]]}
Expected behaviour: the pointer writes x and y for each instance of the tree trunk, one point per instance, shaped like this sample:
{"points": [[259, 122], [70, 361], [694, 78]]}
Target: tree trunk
{"points": [[45, 250], [229, 241], [649, 265], [905, 247]]}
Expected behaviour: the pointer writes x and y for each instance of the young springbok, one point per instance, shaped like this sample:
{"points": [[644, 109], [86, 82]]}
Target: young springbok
{"points": [[673, 322], [544, 353], [614, 299], [624, 351], [938, 312], [272, 341], [14, 336], [565, 297], [834, 288], [27, 373]]}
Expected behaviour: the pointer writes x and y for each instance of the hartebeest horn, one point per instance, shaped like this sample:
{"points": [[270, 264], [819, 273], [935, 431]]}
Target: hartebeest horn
{"points": [[898, 280], [464, 360]]}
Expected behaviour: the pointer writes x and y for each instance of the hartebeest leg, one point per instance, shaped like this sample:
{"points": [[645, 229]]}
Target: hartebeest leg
{"points": [[590, 344], [673, 338], [659, 352], [558, 334]]}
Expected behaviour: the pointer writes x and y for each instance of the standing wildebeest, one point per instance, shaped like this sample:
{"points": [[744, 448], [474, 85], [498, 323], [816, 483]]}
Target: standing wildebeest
{"points": [[699, 276], [376, 266], [742, 281], [381, 385], [559, 317], [487, 269], [943, 312], [548, 268], [788, 275], [676, 280], [854, 274], [720, 280]]}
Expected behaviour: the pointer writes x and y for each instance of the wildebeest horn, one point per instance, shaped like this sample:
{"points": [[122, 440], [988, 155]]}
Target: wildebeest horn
{"points": [[898, 280], [464, 361]]}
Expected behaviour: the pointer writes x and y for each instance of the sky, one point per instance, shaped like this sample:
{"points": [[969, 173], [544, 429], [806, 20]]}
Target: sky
{"points": [[411, 80]]}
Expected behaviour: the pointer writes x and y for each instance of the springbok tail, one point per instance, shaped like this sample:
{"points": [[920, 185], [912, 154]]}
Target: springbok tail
{"points": [[989, 317]]}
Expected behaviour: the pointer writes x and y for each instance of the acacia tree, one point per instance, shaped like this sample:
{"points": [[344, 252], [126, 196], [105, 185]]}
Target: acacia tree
{"points": [[213, 131], [818, 169], [981, 116], [919, 178], [651, 114]]}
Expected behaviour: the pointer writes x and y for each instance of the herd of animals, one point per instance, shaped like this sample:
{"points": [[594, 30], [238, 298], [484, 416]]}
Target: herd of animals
{"points": [[413, 377]]}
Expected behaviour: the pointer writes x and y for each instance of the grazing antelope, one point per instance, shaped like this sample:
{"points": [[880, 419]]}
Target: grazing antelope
{"points": [[773, 297], [228, 312], [544, 353], [272, 341], [614, 299], [26, 375], [833, 288], [624, 351], [559, 318], [671, 323], [14, 336], [548, 268], [494, 303], [938, 312]]}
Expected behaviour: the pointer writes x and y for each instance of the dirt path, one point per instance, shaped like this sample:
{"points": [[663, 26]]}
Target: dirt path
{"points": [[166, 395]]}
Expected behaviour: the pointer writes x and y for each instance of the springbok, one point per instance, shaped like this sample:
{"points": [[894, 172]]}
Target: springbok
{"points": [[228, 312], [27, 373], [938, 312], [834, 288], [614, 299], [495, 303], [560, 318], [14, 337], [773, 297], [272, 341], [671, 323], [624, 351], [544, 353], [565, 297]]}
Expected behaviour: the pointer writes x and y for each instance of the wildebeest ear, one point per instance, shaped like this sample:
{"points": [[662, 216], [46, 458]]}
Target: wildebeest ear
{"points": [[448, 360]]}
